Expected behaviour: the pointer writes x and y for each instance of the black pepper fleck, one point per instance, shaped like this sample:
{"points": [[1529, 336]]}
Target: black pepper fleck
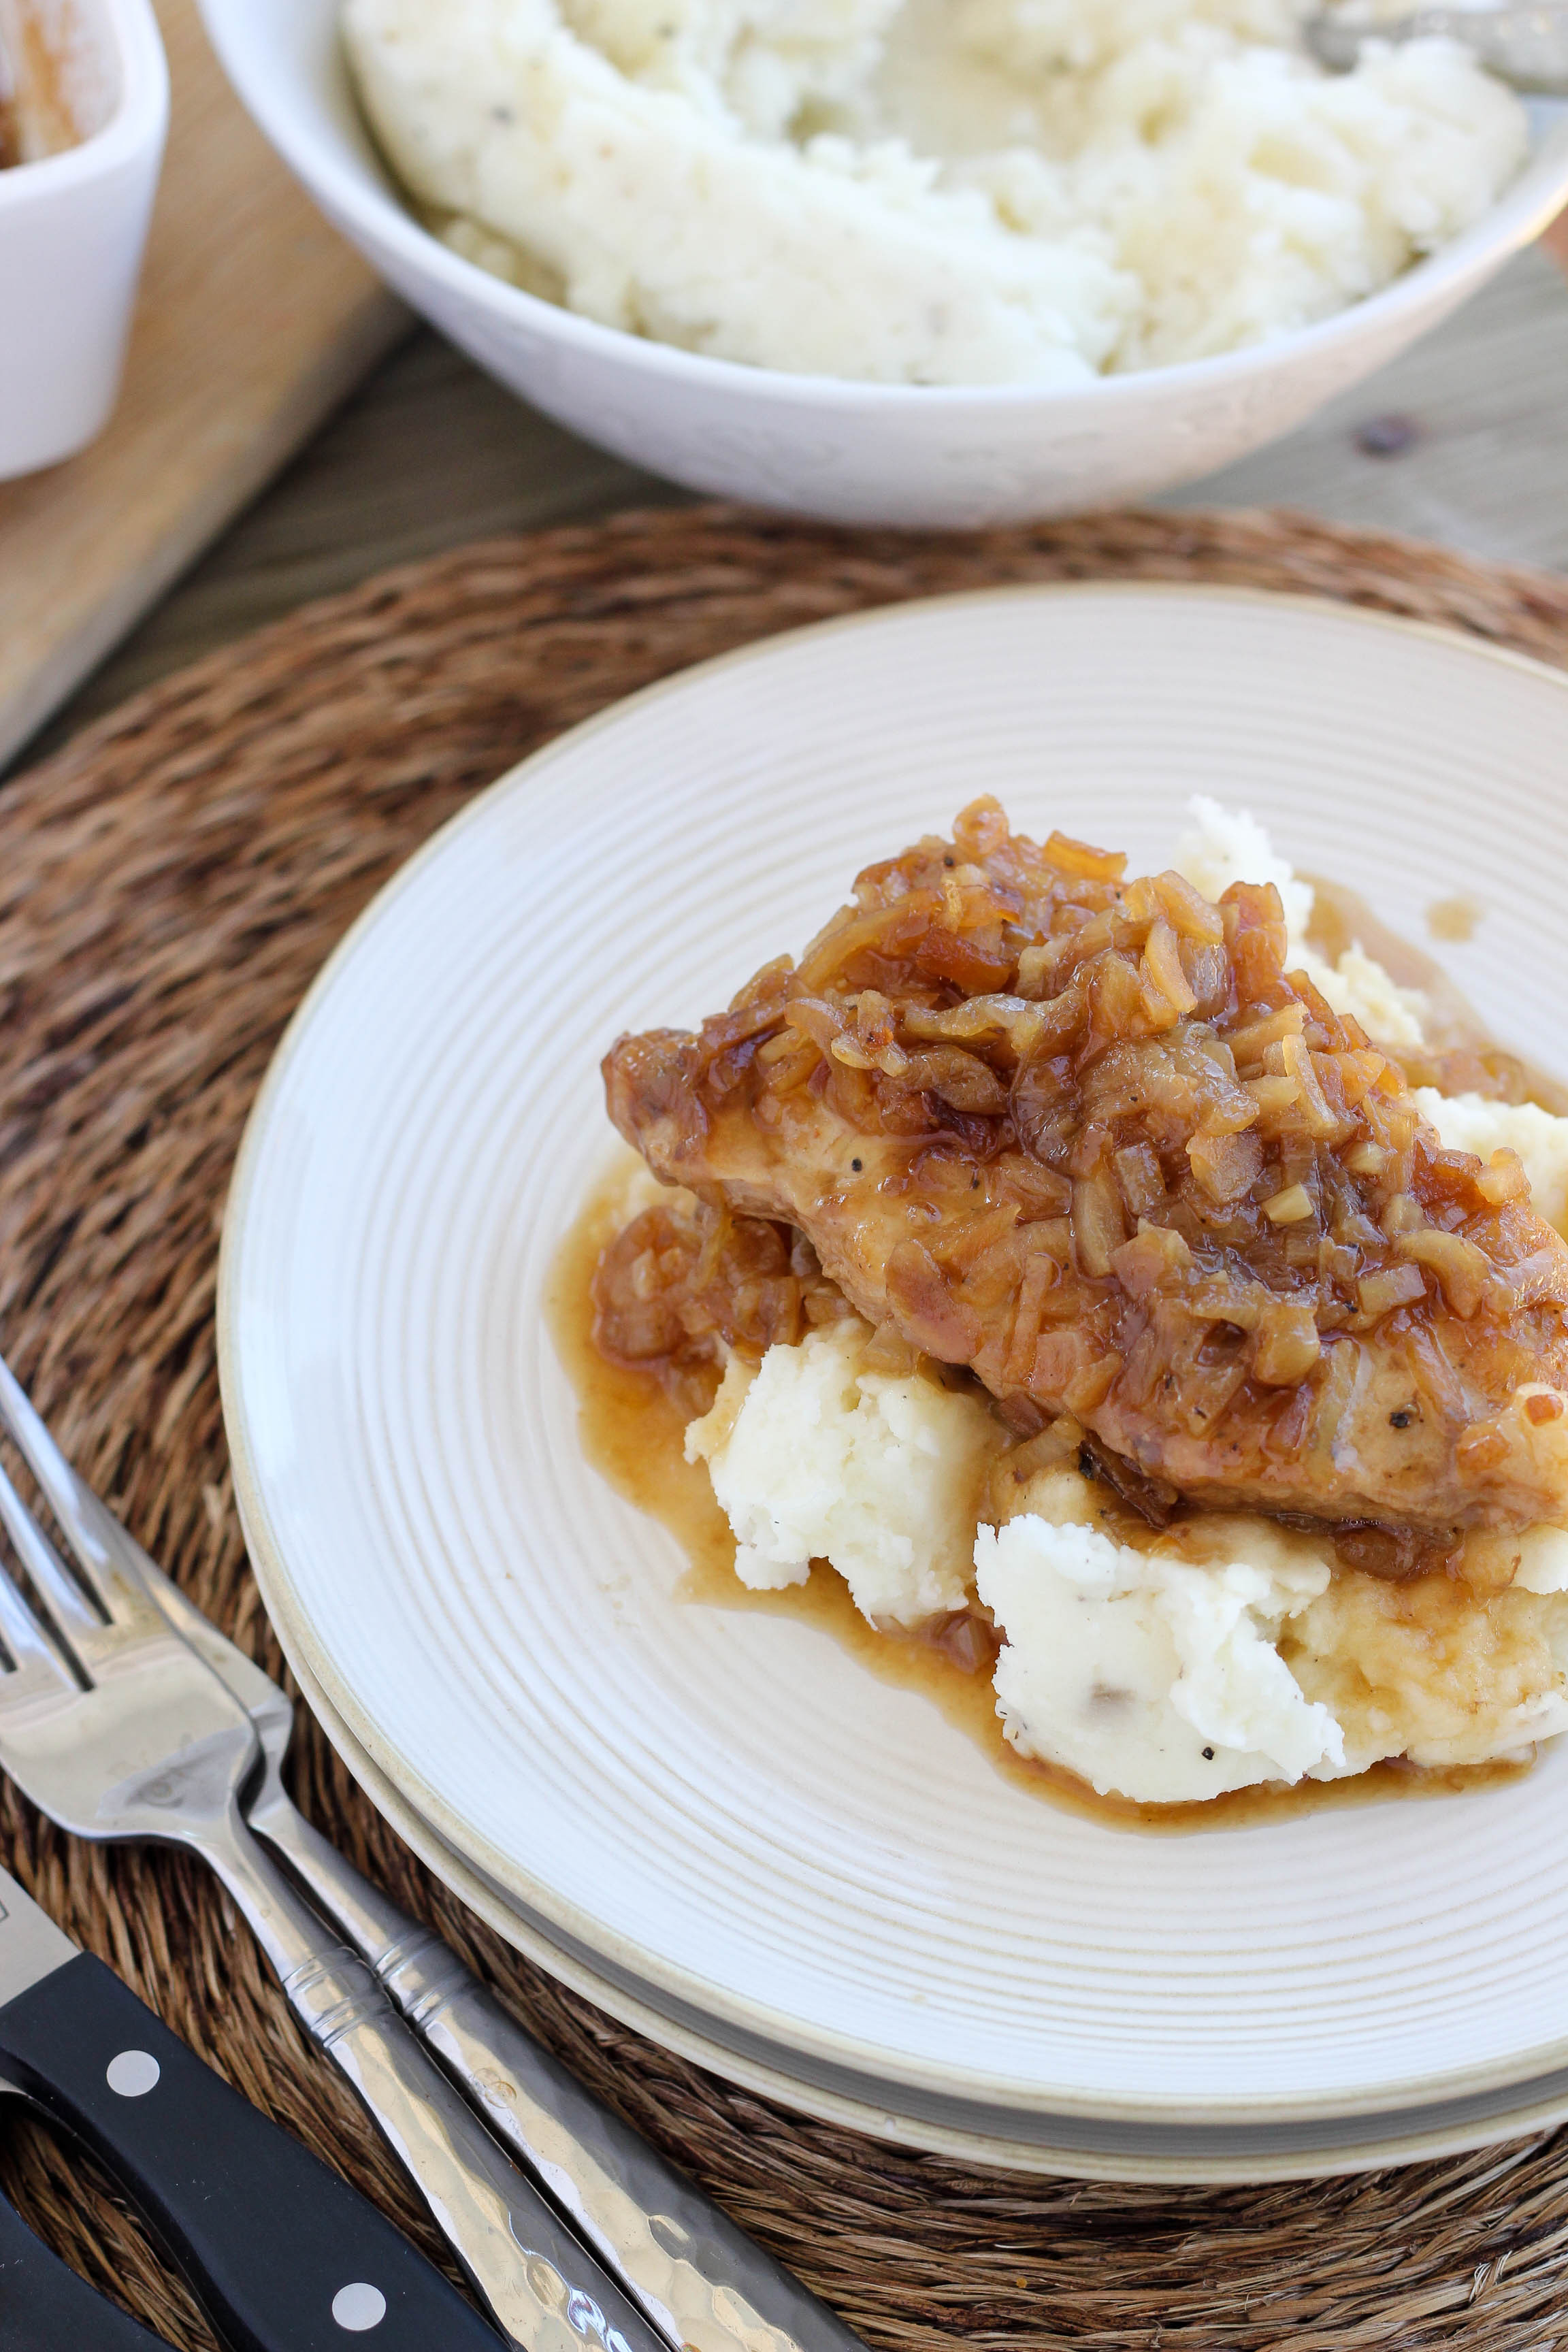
{"points": [[950, 861], [1403, 1418], [1208, 1755], [856, 1165]]}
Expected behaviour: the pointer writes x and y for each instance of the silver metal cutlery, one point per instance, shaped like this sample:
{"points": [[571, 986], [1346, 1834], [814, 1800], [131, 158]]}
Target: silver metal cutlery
{"points": [[1525, 46], [115, 1727], [175, 1727]]}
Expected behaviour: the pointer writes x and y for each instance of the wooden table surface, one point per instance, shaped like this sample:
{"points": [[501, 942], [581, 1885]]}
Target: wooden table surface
{"points": [[1462, 440]]}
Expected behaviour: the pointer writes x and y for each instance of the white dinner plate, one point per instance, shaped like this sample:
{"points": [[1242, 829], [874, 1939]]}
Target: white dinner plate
{"points": [[720, 1807]]}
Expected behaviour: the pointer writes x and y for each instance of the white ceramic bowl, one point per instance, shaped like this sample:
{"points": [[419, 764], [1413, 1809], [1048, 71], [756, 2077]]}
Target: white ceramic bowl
{"points": [[72, 227], [814, 445]]}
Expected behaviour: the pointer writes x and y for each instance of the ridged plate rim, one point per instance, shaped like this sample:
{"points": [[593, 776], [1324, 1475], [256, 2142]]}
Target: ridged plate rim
{"points": [[424, 1805], [1168, 2157]]}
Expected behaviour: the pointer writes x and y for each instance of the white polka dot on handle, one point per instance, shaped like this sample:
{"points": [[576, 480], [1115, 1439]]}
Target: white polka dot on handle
{"points": [[358, 2306], [133, 2074]]}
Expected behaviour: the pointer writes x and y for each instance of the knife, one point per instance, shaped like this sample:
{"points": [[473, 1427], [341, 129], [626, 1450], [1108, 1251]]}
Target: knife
{"points": [[45, 2307], [283, 2254]]}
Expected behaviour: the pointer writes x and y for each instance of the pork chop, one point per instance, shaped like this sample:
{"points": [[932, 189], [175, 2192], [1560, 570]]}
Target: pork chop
{"points": [[1090, 1137]]}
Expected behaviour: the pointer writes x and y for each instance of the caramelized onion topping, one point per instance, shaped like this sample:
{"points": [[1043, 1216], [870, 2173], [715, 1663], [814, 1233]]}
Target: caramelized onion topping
{"points": [[1099, 1142]]}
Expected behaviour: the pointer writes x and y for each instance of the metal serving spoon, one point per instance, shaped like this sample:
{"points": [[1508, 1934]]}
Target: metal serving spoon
{"points": [[1526, 46]]}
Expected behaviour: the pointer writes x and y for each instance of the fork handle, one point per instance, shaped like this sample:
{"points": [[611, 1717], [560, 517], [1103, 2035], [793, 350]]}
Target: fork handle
{"points": [[546, 2293], [701, 2280]]}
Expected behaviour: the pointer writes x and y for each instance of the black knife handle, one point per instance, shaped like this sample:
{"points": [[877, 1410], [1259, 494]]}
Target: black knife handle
{"points": [[285, 2256], [45, 2307]]}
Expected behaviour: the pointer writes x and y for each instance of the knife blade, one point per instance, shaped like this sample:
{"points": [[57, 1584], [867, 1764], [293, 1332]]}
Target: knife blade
{"points": [[282, 2253], [45, 2307]]}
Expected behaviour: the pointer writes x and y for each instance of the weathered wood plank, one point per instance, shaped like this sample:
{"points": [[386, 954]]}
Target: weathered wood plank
{"points": [[1464, 439], [255, 319]]}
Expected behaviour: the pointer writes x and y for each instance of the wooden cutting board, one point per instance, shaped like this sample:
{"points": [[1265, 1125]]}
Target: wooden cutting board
{"points": [[255, 319]]}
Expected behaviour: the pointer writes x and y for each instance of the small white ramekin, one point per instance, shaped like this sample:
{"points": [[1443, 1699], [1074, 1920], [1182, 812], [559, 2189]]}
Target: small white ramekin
{"points": [[72, 229]]}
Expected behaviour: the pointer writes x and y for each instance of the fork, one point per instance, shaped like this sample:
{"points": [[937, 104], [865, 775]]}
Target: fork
{"points": [[114, 1726], [699, 2279]]}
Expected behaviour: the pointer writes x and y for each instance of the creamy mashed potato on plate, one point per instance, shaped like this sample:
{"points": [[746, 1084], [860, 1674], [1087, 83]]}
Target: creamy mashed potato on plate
{"points": [[1168, 1669], [937, 191]]}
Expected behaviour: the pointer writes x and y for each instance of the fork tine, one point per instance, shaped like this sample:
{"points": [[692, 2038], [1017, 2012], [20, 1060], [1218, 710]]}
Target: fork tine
{"points": [[94, 1534], [63, 1596], [26, 1639]]}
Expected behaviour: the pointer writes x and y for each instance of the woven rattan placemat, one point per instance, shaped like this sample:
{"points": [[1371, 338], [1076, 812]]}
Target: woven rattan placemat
{"points": [[168, 886]]}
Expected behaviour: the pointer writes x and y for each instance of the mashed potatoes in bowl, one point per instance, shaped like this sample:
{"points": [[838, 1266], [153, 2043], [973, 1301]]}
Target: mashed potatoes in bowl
{"points": [[949, 450], [931, 192]]}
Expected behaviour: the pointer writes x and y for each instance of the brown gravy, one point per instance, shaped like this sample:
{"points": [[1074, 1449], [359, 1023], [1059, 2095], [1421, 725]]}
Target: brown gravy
{"points": [[1341, 919], [10, 122], [53, 94], [1453, 918], [632, 1435]]}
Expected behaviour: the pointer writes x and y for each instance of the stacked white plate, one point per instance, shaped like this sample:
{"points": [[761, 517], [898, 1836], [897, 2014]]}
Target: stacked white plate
{"points": [[715, 1822]]}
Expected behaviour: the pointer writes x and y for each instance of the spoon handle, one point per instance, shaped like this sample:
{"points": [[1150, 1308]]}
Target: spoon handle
{"points": [[1525, 46]]}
